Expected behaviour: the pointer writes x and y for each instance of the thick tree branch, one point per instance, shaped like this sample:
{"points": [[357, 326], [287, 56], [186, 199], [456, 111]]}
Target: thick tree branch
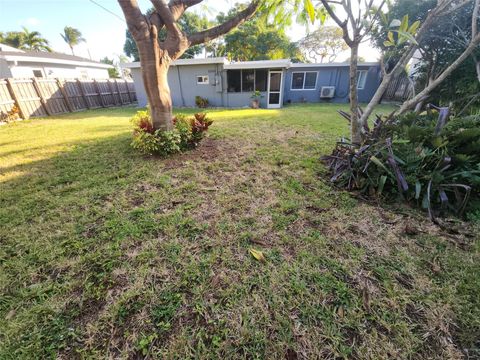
{"points": [[178, 7], [214, 32], [165, 14], [343, 24], [136, 22]]}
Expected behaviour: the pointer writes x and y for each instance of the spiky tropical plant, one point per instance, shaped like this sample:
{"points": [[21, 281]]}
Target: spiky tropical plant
{"points": [[72, 37], [33, 40]]}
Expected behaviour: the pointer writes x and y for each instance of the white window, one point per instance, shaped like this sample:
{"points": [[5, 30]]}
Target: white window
{"points": [[38, 73], [361, 79], [306, 80], [202, 80]]}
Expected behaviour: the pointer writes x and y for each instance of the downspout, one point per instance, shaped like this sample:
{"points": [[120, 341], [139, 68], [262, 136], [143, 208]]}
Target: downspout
{"points": [[180, 85]]}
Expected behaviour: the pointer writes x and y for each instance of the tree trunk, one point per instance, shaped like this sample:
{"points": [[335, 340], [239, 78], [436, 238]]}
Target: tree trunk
{"points": [[155, 65], [356, 128]]}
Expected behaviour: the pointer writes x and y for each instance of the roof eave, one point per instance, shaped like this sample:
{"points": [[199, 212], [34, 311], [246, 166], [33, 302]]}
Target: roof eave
{"points": [[55, 61]]}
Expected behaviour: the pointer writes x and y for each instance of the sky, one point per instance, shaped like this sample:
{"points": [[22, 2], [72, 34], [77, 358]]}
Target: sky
{"points": [[104, 32]]}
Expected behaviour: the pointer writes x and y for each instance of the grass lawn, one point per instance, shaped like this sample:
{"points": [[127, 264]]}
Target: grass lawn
{"points": [[108, 254]]}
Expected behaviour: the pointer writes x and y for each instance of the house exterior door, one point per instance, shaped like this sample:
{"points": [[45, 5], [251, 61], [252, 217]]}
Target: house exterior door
{"points": [[275, 85]]}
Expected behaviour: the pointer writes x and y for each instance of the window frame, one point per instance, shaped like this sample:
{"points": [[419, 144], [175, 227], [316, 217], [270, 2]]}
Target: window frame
{"points": [[254, 81], [41, 73], [205, 80], [304, 80], [361, 85]]}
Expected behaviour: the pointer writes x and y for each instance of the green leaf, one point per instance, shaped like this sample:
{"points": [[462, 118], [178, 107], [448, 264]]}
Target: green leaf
{"points": [[418, 189], [257, 254], [414, 27], [310, 10], [404, 36], [377, 162], [381, 183], [388, 44], [390, 37], [404, 24]]}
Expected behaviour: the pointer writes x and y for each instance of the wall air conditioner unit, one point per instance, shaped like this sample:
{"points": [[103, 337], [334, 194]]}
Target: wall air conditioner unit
{"points": [[327, 92]]}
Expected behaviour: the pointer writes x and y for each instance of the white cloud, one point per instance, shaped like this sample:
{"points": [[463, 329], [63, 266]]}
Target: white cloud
{"points": [[32, 21]]}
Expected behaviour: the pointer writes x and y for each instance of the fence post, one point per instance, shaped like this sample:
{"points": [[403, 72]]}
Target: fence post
{"points": [[98, 92], [65, 95], [36, 86], [128, 91], [119, 93], [80, 86], [113, 92], [14, 96]]}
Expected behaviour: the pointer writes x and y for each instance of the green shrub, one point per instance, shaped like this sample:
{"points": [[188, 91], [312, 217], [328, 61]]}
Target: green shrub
{"points": [[405, 158], [201, 102], [187, 134]]}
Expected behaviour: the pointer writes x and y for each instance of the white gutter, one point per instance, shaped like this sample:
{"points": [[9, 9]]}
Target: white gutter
{"points": [[261, 64], [206, 61], [16, 58], [345, 64]]}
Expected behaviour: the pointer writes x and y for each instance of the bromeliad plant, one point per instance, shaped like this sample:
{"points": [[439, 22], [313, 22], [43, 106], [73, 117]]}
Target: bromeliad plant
{"points": [[186, 134], [423, 160]]}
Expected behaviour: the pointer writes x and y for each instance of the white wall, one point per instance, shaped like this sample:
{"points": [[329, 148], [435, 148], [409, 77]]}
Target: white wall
{"points": [[25, 70]]}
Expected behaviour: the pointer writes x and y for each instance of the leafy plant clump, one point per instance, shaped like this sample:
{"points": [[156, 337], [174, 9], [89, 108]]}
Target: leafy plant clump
{"points": [[425, 160], [187, 134], [10, 116], [201, 102]]}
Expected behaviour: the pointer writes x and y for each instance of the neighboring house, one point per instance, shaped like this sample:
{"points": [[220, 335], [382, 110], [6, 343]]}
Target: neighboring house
{"points": [[15, 63], [230, 84]]}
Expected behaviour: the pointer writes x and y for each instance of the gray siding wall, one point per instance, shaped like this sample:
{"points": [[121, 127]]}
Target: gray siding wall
{"points": [[4, 69], [331, 76], [243, 99], [184, 87], [139, 88]]}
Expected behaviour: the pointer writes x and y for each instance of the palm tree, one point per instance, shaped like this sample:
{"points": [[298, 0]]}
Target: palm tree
{"points": [[12, 38], [72, 37], [33, 40]]}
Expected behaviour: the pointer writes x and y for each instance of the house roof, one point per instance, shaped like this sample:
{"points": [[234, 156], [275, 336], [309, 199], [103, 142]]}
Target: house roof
{"points": [[202, 61], [51, 58], [260, 64], [344, 64]]}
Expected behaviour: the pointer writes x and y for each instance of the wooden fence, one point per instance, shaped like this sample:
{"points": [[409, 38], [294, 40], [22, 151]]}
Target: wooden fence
{"points": [[399, 89], [44, 97]]}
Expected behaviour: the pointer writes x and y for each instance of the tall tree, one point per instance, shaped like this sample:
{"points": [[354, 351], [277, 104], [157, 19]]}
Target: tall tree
{"points": [[112, 72], [356, 24], [33, 40], [12, 38], [72, 37], [156, 57], [325, 43], [442, 12], [257, 39], [25, 40], [130, 47], [189, 23]]}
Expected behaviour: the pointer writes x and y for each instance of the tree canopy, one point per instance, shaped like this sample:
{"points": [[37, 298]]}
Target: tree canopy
{"points": [[323, 44], [72, 37], [190, 23], [25, 40], [257, 40]]}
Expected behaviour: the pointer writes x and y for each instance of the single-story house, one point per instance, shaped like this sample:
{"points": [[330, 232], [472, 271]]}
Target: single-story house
{"points": [[15, 63], [231, 84]]}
